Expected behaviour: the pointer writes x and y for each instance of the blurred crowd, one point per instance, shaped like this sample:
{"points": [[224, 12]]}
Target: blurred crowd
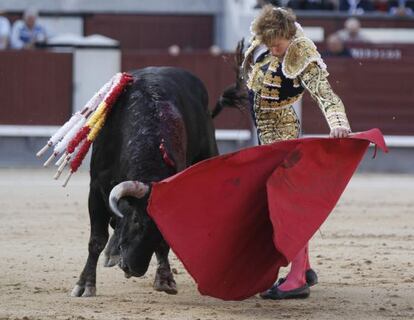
{"points": [[337, 43], [25, 33], [394, 7]]}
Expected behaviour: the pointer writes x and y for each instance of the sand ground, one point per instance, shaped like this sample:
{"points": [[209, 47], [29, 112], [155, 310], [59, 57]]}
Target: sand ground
{"points": [[364, 256]]}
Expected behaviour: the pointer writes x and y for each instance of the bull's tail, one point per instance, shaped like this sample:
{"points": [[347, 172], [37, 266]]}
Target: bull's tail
{"points": [[235, 96], [76, 136]]}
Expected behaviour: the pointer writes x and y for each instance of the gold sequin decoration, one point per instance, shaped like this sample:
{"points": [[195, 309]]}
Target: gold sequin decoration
{"points": [[276, 120], [296, 83], [272, 81], [300, 53], [270, 104], [270, 93], [276, 124], [314, 79], [256, 75], [248, 56]]}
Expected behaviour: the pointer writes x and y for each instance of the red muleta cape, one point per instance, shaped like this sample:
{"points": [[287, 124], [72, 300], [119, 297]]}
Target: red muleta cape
{"points": [[234, 220]]}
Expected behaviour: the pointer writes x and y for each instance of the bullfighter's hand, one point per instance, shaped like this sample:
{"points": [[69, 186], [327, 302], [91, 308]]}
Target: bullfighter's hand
{"points": [[339, 132]]}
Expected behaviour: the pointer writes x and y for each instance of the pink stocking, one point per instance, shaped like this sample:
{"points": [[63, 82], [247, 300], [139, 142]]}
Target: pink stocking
{"points": [[296, 277], [307, 257]]}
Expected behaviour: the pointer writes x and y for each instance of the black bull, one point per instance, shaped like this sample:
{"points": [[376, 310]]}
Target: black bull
{"points": [[159, 126]]}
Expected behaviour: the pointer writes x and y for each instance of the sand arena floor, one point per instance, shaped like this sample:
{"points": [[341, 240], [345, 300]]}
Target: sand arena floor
{"points": [[364, 256]]}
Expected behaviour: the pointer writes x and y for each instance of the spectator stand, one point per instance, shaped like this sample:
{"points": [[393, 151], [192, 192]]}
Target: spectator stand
{"points": [[54, 82], [226, 23]]}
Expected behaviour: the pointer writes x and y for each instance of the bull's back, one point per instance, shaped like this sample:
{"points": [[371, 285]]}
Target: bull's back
{"points": [[132, 125], [177, 80], [191, 98]]}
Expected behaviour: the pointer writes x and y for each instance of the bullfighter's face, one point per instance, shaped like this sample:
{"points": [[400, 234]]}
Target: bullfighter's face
{"points": [[278, 47], [138, 237]]}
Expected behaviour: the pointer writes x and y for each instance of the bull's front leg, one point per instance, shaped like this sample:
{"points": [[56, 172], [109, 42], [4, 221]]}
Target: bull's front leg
{"points": [[99, 218], [164, 279]]}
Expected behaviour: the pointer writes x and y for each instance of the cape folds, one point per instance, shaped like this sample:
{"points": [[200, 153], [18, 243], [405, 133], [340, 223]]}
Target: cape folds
{"points": [[234, 220]]}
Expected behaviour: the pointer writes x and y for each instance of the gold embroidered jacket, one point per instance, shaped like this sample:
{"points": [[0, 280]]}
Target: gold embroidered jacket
{"points": [[275, 85]]}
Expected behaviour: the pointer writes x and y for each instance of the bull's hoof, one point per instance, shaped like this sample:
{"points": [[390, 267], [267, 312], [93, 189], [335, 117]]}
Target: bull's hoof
{"points": [[167, 287], [164, 281], [83, 291], [111, 261]]}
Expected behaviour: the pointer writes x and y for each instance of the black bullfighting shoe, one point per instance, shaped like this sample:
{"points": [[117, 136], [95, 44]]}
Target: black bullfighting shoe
{"points": [[311, 279], [275, 293]]}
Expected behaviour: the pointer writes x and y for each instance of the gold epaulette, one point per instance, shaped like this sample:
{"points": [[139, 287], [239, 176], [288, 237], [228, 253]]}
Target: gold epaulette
{"points": [[248, 56], [300, 53]]}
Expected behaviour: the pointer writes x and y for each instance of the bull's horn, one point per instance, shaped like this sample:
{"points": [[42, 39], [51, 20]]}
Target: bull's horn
{"points": [[127, 188]]}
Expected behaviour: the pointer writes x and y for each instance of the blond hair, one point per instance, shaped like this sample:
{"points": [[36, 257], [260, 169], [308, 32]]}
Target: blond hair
{"points": [[274, 23]]}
